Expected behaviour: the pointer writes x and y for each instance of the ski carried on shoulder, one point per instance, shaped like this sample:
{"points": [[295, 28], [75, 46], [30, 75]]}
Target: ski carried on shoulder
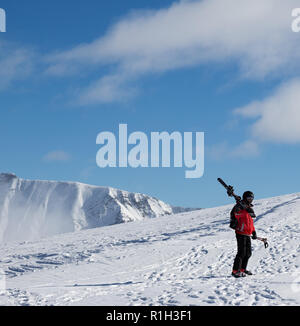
{"points": [[230, 193]]}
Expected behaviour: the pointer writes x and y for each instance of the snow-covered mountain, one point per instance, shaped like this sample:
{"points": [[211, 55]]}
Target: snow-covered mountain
{"points": [[182, 260], [33, 209]]}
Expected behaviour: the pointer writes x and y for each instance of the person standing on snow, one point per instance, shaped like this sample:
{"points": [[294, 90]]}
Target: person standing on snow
{"points": [[241, 220]]}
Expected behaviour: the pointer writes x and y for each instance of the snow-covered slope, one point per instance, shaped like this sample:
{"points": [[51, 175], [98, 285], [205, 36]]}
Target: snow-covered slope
{"points": [[33, 209], [183, 259]]}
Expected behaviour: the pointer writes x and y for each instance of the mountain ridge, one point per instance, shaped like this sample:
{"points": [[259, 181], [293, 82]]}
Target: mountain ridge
{"points": [[30, 209]]}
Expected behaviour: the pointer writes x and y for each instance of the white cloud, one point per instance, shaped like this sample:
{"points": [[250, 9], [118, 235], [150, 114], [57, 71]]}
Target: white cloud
{"points": [[245, 150], [57, 156], [16, 63], [111, 88], [255, 34], [277, 117]]}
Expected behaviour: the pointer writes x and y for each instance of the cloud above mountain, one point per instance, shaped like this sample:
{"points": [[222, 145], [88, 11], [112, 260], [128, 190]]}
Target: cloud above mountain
{"points": [[16, 63], [277, 117], [57, 156], [256, 35]]}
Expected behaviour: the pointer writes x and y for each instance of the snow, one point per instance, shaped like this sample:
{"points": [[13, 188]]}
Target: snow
{"points": [[182, 259], [32, 209]]}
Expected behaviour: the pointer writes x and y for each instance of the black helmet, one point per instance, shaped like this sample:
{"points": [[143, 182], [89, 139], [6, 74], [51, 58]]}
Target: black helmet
{"points": [[248, 196]]}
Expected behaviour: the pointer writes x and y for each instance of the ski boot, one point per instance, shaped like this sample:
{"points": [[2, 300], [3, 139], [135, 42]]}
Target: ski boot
{"points": [[247, 272], [238, 274]]}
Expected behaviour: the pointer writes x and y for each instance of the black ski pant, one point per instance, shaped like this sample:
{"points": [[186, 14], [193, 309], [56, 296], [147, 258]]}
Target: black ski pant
{"points": [[244, 252]]}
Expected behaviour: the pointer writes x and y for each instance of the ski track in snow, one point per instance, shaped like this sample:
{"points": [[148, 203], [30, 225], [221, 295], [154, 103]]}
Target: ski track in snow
{"points": [[184, 259]]}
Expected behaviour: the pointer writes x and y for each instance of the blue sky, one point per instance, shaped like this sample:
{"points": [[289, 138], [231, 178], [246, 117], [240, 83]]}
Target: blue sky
{"points": [[69, 71]]}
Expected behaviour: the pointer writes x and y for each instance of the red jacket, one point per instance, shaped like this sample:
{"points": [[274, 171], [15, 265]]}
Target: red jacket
{"points": [[245, 223]]}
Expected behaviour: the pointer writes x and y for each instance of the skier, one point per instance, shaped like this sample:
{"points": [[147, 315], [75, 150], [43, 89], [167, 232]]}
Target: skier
{"points": [[241, 220]]}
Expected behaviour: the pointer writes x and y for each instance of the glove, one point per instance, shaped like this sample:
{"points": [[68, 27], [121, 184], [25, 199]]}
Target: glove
{"points": [[254, 236]]}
